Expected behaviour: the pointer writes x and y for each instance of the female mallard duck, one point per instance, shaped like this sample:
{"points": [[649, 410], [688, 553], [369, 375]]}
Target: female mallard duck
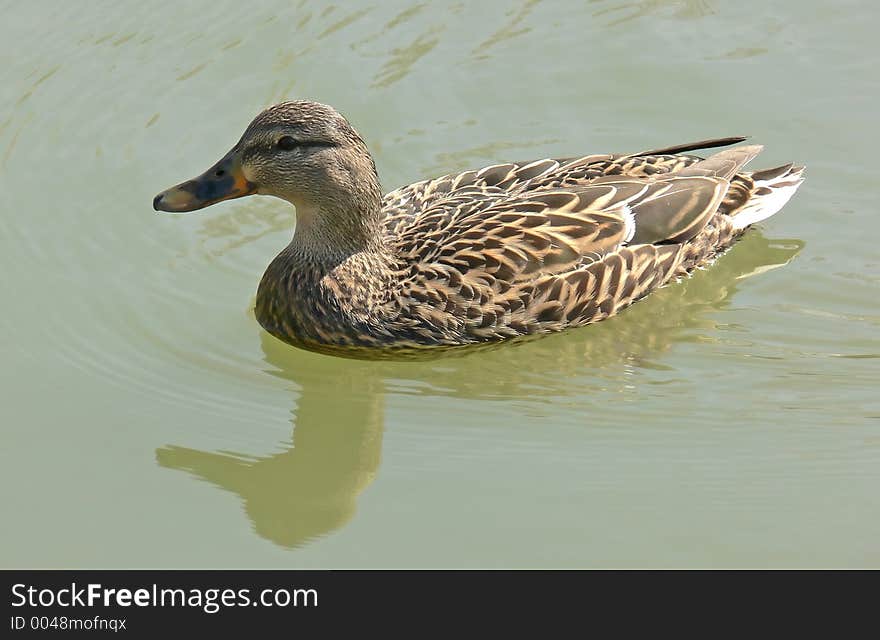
{"points": [[505, 251]]}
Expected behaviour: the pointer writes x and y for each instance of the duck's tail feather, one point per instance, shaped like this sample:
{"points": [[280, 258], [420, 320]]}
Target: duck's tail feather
{"points": [[771, 189]]}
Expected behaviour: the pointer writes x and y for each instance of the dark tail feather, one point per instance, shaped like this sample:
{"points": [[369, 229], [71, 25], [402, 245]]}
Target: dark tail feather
{"points": [[772, 174], [692, 146]]}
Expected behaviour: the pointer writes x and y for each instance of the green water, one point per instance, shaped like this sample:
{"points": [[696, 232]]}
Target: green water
{"points": [[147, 420]]}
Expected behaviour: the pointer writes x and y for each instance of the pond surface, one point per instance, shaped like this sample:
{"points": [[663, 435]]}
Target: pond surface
{"points": [[147, 421]]}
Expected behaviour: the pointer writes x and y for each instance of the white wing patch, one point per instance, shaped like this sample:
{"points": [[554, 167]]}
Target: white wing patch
{"points": [[629, 224]]}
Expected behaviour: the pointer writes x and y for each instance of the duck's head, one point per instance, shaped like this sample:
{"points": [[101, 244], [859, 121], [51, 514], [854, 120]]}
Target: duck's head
{"points": [[304, 152]]}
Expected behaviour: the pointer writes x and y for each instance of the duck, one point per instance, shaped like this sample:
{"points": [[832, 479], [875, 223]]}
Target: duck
{"points": [[499, 253]]}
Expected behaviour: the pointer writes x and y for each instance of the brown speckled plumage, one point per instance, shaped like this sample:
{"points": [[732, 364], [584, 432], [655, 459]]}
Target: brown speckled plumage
{"points": [[506, 251]]}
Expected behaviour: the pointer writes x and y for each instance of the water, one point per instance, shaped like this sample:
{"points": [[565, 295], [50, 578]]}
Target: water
{"points": [[731, 420]]}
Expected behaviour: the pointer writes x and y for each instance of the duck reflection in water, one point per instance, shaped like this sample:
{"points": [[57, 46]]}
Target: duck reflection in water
{"points": [[311, 488]]}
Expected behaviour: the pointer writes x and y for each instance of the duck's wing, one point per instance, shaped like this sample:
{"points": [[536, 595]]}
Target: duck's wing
{"points": [[403, 203], [546, 227], [549, 231], [503, 263]]}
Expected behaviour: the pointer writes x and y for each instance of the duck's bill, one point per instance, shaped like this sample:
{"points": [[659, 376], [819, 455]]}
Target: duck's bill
{"points": [[224, 181]]}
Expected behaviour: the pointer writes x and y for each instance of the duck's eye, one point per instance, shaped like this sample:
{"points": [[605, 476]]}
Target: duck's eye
{"points": [[287, 143]]}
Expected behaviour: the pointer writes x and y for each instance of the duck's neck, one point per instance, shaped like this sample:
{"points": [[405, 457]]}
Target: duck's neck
{"points": [[329, 235], [340, 215]]}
